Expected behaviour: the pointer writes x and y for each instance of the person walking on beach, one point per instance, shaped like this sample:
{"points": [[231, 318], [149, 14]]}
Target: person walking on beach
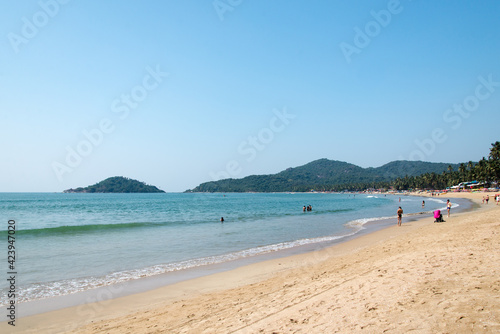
{"points": [[400, 216], [448, 207]]}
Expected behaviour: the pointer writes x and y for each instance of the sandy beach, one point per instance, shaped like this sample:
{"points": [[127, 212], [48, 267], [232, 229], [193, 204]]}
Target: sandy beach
{"points": [[422, 277]]}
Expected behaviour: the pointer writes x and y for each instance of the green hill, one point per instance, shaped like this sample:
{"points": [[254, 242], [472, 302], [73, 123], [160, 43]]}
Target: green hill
{"points": [[117, 184], [322, 175]]}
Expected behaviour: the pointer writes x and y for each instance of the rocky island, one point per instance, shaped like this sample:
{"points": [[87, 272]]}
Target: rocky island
{"points": [[117, 184]]}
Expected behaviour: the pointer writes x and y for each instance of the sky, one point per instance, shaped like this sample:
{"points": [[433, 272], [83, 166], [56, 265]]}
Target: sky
{"points": [[176, 93]]}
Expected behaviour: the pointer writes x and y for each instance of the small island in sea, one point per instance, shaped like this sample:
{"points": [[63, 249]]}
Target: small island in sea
{"points": [[117, 184]]}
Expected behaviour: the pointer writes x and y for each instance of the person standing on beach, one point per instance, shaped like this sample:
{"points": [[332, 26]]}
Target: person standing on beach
{"points": [[448, 207], [400, 216]]}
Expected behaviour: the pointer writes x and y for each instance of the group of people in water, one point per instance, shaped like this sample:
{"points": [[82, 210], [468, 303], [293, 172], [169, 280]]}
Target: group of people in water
{"points": [[307, 208], [437, 213], [304, 209]]}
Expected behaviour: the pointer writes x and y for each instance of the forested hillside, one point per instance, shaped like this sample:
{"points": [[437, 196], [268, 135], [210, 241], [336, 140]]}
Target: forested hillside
{"points": [[117, 184], [324, 175]]}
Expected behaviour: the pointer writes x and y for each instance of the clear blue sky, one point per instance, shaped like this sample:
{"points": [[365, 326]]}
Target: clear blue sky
{"points": [[173, 93]]}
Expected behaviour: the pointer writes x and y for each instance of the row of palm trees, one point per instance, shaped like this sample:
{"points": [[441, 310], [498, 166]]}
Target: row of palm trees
{"points": [[485, 171]]}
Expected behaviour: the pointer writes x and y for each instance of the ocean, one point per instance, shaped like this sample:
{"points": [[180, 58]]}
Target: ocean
{"points": [[67, 243]]}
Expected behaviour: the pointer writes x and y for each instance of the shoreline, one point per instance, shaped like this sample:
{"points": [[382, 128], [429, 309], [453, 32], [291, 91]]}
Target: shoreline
{"points": [[151, 282], [110, 310]]}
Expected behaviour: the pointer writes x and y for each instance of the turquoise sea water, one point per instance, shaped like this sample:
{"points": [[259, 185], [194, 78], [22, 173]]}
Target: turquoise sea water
{"points": [[67, 243]]}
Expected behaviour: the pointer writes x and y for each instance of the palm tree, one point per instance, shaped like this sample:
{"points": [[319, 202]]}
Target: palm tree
{"points": [[461, 170], [494, 161], [495, 151], [482, 171], [449, 176], [445, 179], [470, 170]]}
